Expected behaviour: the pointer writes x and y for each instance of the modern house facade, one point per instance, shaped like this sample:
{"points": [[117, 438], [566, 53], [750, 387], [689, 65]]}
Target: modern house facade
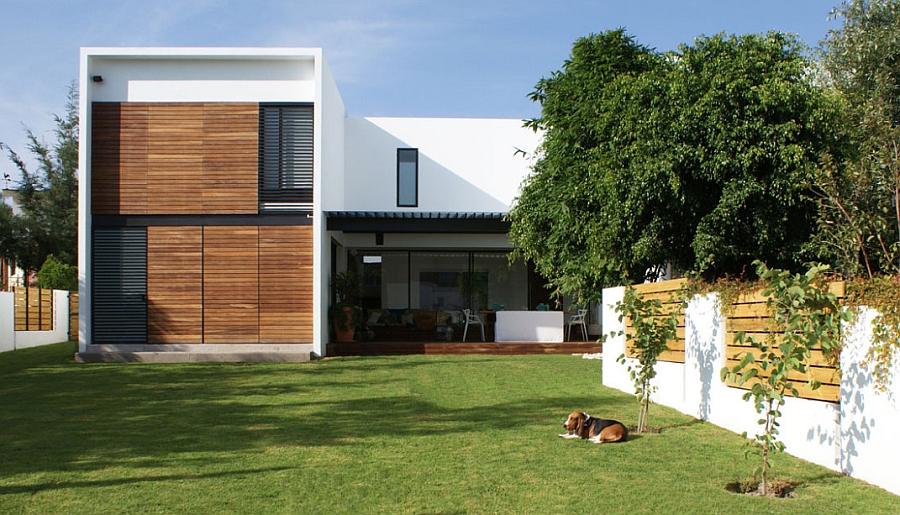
{"points": [[222, 189]]}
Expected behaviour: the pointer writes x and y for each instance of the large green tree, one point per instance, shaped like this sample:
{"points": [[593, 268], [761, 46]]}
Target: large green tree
{"points": [[860, 208], [575, 206], [699, 159], [48, 196]]}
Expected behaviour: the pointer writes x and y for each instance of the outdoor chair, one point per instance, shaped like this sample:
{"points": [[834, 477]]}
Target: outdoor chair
{"points": [[473, 319], [578, 319]]}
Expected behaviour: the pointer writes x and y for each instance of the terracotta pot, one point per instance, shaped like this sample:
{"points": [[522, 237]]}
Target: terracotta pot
{"points": [[348, 334]]}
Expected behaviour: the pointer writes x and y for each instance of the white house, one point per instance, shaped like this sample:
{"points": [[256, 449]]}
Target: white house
{"points": [[223, 188]]}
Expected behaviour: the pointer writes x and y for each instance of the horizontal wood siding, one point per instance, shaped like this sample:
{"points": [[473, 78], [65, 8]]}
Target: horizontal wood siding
{"points": [[285, 284], [174, 158], [230, 284], [119, 158], [230, 151], [175, 285]]}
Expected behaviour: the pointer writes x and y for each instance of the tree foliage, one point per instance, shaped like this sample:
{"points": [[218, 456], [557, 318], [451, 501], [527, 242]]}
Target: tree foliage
{"points": [[567, 219], [48, 197], [56, 275], [859, 211], [699, 159]]}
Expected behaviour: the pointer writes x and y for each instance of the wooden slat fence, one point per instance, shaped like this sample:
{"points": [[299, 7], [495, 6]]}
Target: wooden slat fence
{"points": [[34, 309], [667, 292], [73, 317], [748, 314]]}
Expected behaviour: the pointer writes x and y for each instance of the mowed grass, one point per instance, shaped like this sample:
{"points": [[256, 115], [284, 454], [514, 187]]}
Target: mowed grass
{"points": [[392, 435]]}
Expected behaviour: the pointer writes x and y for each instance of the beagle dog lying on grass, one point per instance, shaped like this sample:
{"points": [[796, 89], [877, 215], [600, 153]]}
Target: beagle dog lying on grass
{"points": [[597, 430]]}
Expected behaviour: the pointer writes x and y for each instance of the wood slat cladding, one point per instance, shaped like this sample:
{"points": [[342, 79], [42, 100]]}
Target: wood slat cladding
{"points": [[230, 157], [285, 284], [119, 158], [228, 284], [231, 284], [175, 285], [174, 158]]}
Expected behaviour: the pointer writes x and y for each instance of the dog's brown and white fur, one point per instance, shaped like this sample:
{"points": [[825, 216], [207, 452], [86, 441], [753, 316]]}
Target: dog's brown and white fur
{"points": [[597, 430]]}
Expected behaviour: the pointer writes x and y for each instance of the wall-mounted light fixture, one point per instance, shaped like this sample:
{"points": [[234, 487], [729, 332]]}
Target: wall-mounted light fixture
{"points": [[97, 78]]}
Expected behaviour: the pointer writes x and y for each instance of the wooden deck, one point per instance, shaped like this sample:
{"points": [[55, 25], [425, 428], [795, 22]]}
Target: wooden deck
{"points": [[437, 348]]}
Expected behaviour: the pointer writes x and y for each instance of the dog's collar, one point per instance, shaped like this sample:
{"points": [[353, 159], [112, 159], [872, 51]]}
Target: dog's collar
{"points": [[587, 419]]}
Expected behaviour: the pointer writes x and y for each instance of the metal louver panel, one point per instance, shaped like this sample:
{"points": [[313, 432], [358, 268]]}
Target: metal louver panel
{"points": [[119, 300], [286, 157]]}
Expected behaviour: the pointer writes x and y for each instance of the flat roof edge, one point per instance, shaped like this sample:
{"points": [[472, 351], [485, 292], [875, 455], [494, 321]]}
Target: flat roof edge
{"points": [[203, 52]]}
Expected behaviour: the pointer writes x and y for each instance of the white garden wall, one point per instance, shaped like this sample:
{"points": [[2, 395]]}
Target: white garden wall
{"points": [[10, 339], [855, 436]]}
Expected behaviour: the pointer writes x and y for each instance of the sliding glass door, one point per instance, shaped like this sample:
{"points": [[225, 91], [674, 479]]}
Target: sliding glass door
{"points": [[441, 280]]}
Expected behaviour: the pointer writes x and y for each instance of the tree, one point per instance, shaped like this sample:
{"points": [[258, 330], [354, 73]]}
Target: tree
{"points": [[805, 316], [652, 327], [697, 160], [751, 126], [859, 210], [49, 196], [571, 218], [56, 275]]}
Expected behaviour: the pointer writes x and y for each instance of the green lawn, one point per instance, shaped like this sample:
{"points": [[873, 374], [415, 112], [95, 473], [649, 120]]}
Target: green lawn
{"points": [[393, 435]]}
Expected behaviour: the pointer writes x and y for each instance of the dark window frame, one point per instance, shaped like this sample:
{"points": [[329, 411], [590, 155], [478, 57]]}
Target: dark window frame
{"points": [[415, 152], [279, 188]]}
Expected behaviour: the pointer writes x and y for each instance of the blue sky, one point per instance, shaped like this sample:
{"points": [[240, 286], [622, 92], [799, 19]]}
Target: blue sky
{"points": [[458, 58]]}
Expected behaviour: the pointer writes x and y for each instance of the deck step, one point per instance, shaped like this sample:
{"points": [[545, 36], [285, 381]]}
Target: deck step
{"points": [[488, 348]]}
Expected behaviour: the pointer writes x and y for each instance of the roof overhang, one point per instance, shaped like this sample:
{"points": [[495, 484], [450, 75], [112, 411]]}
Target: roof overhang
{"points": [[416, 222]]}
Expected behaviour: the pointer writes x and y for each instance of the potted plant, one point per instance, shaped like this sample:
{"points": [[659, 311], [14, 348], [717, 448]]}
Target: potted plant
{"points": [[345, 314]]}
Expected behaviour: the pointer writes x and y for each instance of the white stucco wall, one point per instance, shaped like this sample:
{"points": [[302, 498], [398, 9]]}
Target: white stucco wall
{"points": [[869, 418], [10, 339], [330, 119], [201, 74], [465, 165], [856, 436], [7, 321]]}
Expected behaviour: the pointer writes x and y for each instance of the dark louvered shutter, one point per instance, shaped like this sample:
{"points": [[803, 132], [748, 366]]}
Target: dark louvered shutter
{"points": [[119, 297], [285, 157]]}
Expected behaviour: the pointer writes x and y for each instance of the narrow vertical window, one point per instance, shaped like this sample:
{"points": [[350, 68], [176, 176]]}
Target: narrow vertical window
{"points": [[407, 177]]}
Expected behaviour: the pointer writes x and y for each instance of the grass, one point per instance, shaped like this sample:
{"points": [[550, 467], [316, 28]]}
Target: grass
{"points": [[416, 434]]}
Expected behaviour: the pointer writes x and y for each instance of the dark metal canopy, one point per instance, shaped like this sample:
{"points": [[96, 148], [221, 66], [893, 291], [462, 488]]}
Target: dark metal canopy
{"points": [[416, 222]]}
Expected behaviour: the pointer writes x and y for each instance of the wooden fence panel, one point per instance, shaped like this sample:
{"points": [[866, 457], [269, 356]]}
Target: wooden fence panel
{"points": [[665, 291], [33, 309], [750, 315], [73, 316]]}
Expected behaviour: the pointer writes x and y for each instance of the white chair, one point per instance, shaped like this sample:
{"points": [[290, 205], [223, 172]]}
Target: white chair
{"points": [[473, 319], [578, 319]]}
